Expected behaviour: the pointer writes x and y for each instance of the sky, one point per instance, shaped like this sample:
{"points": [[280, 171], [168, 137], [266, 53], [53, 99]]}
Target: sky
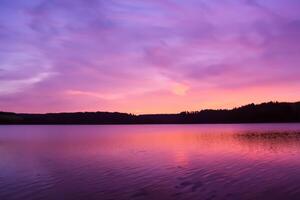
{"points": [[147, 56]]}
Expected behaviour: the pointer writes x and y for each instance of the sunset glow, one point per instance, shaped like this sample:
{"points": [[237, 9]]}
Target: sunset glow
{"points": [[158, 56]]}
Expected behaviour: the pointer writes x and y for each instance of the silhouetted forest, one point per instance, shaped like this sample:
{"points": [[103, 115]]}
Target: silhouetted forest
{"points": [[261, 113]]}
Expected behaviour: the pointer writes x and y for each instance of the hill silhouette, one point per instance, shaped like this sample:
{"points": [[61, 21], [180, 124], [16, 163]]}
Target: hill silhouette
{"points": [[271, 112]]}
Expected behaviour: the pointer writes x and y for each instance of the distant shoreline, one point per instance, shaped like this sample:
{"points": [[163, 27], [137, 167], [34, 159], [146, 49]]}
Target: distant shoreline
{"points": [[249, 123], [271, 112]]}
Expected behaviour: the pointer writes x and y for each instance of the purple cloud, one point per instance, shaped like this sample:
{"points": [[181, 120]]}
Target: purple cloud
{"points": [[104, 55]]}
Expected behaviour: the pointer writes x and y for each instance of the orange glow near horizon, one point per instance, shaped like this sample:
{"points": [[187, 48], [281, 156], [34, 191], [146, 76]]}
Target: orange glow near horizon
{"points": [[153, 57]]}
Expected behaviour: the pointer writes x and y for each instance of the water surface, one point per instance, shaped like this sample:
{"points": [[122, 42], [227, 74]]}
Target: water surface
{"points": [[259, 161]]}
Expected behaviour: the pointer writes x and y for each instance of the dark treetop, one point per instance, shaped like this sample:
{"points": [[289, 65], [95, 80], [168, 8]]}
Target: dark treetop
{"points": [[261, 113]]}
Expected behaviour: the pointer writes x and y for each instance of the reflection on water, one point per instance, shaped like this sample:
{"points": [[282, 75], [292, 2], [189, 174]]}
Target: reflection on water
{"points": [[150, 162]]}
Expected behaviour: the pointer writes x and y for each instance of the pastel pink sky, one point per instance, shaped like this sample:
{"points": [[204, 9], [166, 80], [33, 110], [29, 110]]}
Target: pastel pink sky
{"points": [[158, 56]]}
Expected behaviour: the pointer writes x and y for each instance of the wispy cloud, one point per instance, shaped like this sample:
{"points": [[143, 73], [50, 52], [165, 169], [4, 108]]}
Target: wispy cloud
{"points": [[15, 86]]}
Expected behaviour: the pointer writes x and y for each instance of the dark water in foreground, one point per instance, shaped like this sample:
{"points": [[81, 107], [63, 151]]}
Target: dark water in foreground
{"points": [[150, 162]]}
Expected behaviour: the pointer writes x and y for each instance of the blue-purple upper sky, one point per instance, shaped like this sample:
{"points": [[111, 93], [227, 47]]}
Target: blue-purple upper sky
{"points": [[145, 56]]}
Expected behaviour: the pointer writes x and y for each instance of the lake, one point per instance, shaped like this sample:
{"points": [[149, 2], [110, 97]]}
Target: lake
{"points": [[238, 161]]}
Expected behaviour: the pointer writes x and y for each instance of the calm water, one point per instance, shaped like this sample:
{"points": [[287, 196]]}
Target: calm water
{"points": [[150, 162]]}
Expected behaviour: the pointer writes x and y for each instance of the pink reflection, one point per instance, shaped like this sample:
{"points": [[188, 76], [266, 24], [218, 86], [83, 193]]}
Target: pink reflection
{"points": [[155, 162]]}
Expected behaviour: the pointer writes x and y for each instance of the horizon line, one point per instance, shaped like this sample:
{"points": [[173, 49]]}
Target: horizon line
{"points": [[129, 113]]}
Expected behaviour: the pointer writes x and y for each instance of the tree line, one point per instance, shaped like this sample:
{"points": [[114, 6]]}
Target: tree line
{"points": [[271, 112]]}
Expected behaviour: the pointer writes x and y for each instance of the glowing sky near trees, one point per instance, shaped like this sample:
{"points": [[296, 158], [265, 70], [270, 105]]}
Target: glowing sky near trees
{"points": [[145, 56]]}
